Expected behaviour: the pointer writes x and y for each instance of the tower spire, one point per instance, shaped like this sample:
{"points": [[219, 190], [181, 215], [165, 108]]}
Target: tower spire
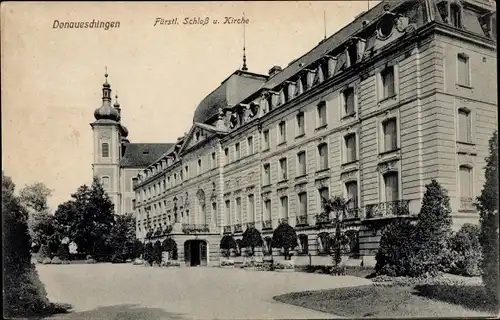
{"points": [[244, 68]]}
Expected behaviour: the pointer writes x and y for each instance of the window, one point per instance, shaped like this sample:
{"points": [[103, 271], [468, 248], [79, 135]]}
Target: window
{"points": [[267, 210], [465, 184], [226, 155], [352, 52], [105, 150], [303, 204], [175, 179], [350, 147], [322, 156], [391, 185], [265, 140], [168, 181], [388, 89], [105, 182], [250, 145], [238, 210], [134, 182], [348, 96], [303, 243], [352, 194], [267, 175], [237, 153], [227, 215], [463, 73], [214, 214], [464, 126], [199, 166], [324, 195], [321, 110], [301, 166], [284, 208], [186, 170], [455, 16], [300, 124], [214, 163], [282, 132], [251, 208], [390, 141], [283, 169]]}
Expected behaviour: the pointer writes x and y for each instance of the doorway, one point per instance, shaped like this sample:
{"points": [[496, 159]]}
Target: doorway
{"points": [[195, 253]]}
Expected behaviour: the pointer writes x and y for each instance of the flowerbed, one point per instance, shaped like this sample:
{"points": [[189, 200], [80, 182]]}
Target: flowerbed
{"points": [[284, 266], [386, 281], [170, 263]]}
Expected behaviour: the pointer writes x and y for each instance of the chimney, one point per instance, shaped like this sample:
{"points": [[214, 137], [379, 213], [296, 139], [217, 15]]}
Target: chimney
{"points": [[274, 70]]}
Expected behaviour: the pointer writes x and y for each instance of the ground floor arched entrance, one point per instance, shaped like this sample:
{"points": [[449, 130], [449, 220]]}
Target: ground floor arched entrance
{"points": [[195, 253]]}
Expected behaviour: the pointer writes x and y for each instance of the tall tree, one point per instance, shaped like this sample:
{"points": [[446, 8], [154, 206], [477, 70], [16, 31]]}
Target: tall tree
{"points": [[87, 219], [433, 231], [122, 238], [337, 205], [41, 223], [24, 294], [487, 204]]}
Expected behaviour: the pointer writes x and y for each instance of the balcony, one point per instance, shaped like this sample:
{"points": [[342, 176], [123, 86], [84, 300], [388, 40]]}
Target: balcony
{"points": [[301, 221], [467, 204], [267, 224], [387, 209], [238, 228], [323, 218], [352, 213], [227, 230], [194, 228]]}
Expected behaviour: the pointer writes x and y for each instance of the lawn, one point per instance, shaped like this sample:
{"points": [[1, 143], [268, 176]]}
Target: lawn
{"points": [[397, 301]]}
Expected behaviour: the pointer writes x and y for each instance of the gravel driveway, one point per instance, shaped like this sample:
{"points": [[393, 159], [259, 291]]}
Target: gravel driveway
{"points": [[124, 291]]}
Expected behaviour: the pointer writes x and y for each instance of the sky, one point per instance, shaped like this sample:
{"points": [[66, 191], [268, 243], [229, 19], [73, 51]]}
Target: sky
{"points": [[52, 77]]}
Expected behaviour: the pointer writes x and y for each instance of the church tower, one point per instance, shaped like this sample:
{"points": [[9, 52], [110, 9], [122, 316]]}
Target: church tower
{"points": [[108, 136]]}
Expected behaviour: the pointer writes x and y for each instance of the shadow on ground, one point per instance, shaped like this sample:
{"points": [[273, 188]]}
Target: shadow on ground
{"points": [[473, 297], [121, 312]]}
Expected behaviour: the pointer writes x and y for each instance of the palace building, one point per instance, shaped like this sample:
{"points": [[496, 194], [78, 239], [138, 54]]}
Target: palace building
{"points": [[404, 94]]}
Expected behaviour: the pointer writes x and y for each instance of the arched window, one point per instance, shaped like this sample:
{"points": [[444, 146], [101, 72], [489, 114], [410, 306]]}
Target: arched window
{"points": [[303, 244], [105, 182], [105, 150], [324, 243]]}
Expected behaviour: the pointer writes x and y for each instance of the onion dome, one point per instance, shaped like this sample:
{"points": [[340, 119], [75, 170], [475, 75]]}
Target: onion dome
{"points": [[124, 131], [106, 111]]}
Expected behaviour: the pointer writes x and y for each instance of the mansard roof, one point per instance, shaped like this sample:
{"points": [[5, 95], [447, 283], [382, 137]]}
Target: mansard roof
{"points": [[239, 85], [140, 155]]}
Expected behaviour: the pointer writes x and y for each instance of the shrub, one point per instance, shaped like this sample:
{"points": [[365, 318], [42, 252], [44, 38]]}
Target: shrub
{"points": [[56, 260], [395, 250], [432, 232], [487, 204], [63, 252], [43, 253], [157, 252], [251, 238], [148, 253], [465, 251]]}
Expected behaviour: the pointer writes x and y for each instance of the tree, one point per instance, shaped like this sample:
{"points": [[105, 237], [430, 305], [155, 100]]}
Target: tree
{"points": [[284, 236], [88, 220], [395, 251], [487, 204], [251, 239], [337, 205], [41, 223], [226, 243], [122, 237], [24, 294], [466, 251], [432, 232]]}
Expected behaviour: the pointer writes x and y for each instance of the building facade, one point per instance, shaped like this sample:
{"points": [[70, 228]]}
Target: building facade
{"points": [[404, 94]]}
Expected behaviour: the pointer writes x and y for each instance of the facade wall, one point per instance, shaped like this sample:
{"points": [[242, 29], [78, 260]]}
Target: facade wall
{"points": [[424, 106]]}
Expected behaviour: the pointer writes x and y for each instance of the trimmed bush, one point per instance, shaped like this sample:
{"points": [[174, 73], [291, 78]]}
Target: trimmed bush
{"points": [[395, 251], [432, 232], [284, 237], [466, 253]]}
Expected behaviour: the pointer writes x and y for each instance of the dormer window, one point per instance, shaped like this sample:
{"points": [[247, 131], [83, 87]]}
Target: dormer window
{"points": [[352, 52], [456, 16], [197, 136]]}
